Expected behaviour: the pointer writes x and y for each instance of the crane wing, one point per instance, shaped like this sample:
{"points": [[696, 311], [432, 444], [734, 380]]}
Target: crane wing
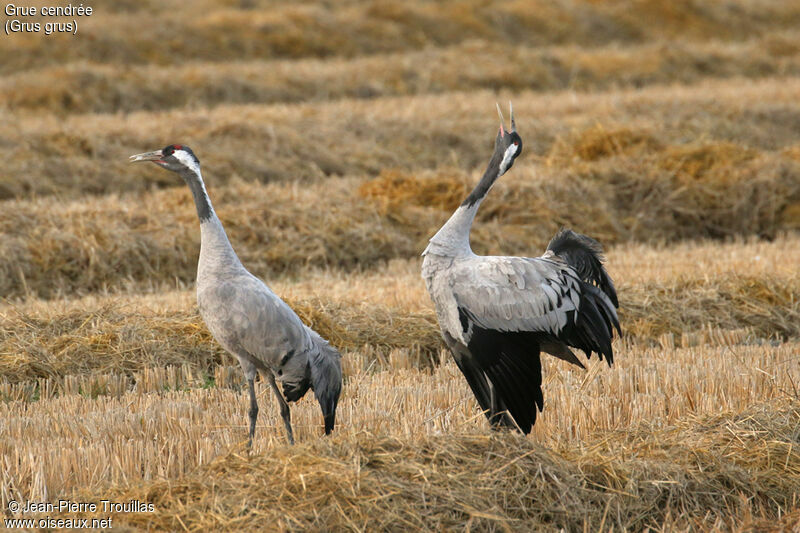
{"points": [[250, 320], [515, 294], [510, 308], [541, 295]]}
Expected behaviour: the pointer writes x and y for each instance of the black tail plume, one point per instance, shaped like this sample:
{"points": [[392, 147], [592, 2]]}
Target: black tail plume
{"points": [[326, 378], [585, 255]]}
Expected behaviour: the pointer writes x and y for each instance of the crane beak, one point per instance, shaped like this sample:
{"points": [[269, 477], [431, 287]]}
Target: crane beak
{"points": [[503, 130], [502, 120], [147, 156]]}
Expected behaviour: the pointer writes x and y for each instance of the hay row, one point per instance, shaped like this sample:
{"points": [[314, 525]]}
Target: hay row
{"points": [[88, 154], [701, 480], [744, 293], [108, 88], [721, 424], [320, 29], [50, 248]]}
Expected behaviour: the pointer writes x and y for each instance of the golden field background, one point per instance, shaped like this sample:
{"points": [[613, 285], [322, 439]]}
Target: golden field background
{"points": [[335, 139]]}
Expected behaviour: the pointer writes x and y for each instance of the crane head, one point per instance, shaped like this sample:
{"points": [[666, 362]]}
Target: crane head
{"points": [[508, 144], [175, 157]]}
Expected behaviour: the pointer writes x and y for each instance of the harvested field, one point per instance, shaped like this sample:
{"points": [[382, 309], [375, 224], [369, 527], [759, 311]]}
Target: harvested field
{"points": [[677, 295], [699, 352], [335, 139]]}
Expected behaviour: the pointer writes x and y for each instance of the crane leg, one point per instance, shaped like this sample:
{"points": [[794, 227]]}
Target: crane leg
{"points": [[285, 413], [494, 416], [253, 409], [499, 418]]}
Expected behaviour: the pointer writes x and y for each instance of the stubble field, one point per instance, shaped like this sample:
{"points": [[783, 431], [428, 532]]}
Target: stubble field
{"points": [[335, 139]]}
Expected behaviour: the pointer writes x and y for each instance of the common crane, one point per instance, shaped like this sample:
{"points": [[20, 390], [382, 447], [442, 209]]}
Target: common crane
{"points": [[247, 318], [498, 313]]}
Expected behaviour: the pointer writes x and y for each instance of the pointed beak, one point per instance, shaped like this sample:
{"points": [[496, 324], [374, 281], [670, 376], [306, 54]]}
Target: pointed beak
{"points": [[147, 156], [502, 120]]}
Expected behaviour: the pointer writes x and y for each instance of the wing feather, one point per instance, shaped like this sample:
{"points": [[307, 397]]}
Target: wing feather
{"points": [[516, 294], [542, 295], [509, 363], [585, 255]]}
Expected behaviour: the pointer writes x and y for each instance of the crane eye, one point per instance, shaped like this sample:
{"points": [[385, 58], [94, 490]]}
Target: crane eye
{"points": [[516, 143]]}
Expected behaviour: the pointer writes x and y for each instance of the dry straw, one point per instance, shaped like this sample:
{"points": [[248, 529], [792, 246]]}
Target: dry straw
{"points": [[332, 154], [687, 291], [223, 33], [694, 427]]}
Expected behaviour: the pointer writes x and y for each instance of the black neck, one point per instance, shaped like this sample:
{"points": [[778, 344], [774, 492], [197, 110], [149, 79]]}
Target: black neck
{"points": [[489, 177], [201, 200]]}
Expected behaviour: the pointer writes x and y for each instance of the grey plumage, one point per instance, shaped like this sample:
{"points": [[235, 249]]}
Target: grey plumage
{"points": [[497, 313], [247, 318]]}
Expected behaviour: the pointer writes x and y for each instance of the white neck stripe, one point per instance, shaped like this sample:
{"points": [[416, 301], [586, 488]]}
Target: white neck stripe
{"points": [[187, 160], [191, 163], [507, 157]]}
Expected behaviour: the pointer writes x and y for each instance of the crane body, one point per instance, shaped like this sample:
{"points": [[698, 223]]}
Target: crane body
{"points": [[249, 320], [498, 313]]}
